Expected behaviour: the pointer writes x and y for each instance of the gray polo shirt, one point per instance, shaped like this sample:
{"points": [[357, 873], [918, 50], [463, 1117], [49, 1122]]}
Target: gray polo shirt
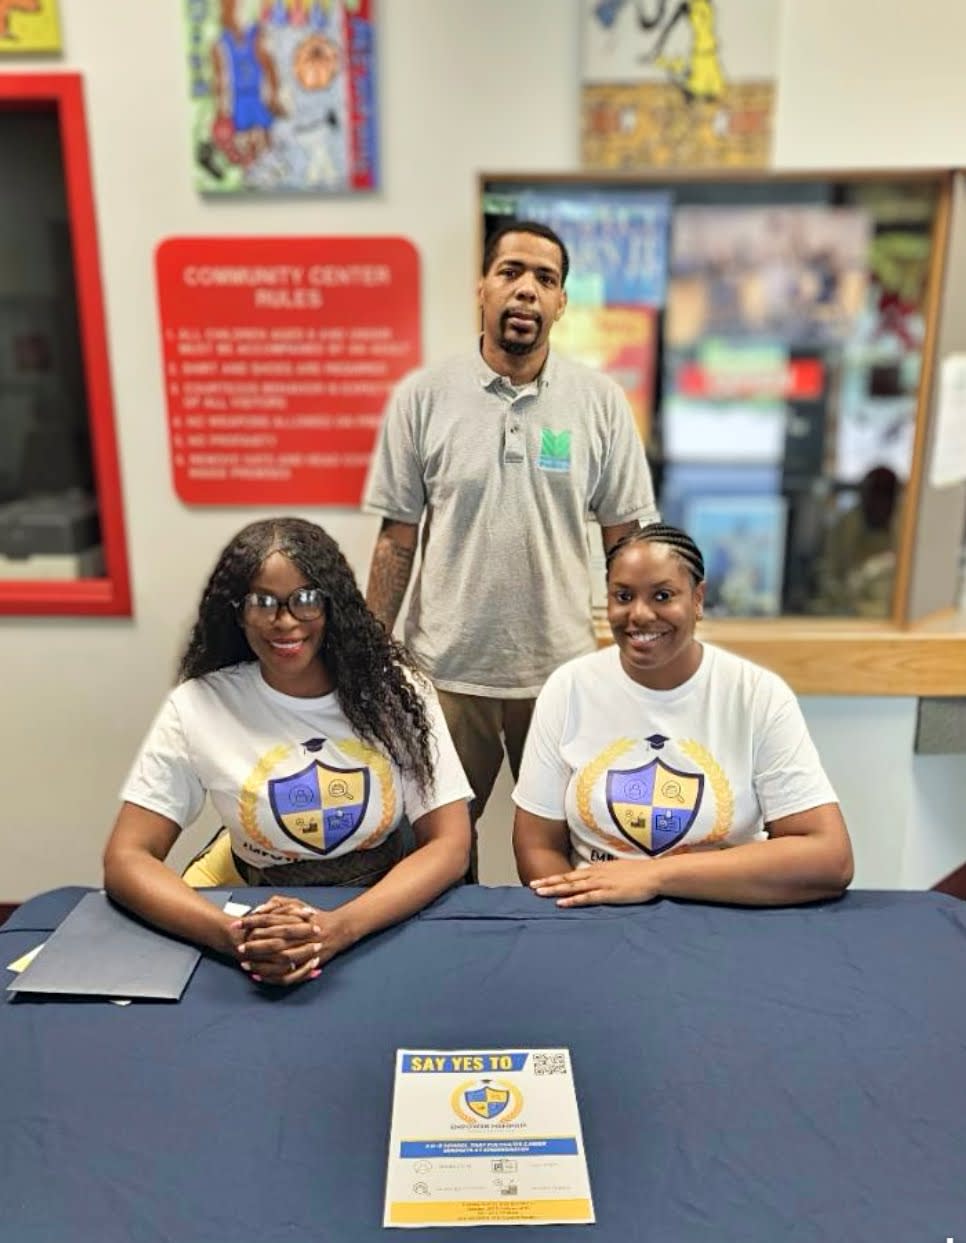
{"points": [[507, 478]]}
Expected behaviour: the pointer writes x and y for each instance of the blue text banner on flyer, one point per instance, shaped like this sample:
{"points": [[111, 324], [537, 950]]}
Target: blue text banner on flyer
{"points": [[486, 1137], [451, 1063], [485, 1147]]}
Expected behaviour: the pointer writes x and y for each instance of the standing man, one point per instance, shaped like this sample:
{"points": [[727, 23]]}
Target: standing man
{"points": [[507, 450]]}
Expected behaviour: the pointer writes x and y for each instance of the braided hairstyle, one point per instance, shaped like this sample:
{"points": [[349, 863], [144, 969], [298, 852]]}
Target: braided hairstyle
{"points": [[681, 544], [374, 675]]}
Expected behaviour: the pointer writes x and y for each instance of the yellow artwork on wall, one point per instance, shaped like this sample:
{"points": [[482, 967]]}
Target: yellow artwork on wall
{"points": [[29, 26], [654, 125], [678, 83]]}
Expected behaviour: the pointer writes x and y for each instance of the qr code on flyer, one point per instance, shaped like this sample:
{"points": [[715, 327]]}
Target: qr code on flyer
{"points": [[549, 1064]]}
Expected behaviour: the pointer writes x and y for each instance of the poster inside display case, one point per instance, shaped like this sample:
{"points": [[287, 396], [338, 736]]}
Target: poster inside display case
{"points": [[778, 369]]}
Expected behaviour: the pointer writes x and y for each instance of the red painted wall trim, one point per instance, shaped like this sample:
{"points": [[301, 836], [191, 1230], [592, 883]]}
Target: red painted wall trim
{"points": [[110, 595]]}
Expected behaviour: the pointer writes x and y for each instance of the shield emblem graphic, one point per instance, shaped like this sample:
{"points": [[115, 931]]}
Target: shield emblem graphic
{"points": [[320, 806], [486, 1102], [654, 805]]}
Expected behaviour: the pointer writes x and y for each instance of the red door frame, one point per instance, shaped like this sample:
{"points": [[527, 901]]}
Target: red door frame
{"points": [[110, 595]]}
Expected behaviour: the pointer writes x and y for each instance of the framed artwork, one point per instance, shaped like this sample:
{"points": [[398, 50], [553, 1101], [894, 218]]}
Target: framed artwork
{"points": [[670, 83], [28, 27], [283, 95]]}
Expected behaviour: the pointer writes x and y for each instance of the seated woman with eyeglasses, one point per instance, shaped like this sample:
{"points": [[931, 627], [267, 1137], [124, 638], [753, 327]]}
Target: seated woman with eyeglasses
{"points": [[666, 767], [313, 736]]}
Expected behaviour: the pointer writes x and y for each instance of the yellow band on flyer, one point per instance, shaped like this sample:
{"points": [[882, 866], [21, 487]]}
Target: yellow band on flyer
{"points": [[403, 1212]]}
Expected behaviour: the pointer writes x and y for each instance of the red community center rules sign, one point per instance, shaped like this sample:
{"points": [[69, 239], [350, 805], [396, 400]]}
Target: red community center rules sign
{"points": [[279, 356]]}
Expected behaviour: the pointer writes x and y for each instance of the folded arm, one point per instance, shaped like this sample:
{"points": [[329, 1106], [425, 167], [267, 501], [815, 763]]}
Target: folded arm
{"points": [[439, 860], [806, 857], [136, 875]]}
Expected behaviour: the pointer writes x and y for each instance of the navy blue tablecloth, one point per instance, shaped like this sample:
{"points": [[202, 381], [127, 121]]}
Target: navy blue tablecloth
{"points": [[744, 1076]]}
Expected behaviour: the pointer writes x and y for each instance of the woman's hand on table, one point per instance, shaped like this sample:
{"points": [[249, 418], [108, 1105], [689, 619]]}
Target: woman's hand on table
{"points": [[612, 883], [285, 941]]}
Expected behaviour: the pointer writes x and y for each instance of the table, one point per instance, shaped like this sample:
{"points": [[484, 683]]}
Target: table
{"points": [[793, 1075]]}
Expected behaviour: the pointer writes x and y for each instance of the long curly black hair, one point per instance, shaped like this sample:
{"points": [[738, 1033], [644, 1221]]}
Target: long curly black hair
{"points": [[374, 675]]}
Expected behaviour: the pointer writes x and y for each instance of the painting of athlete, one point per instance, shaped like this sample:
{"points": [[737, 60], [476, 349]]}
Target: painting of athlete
{"points": [[283, 94]]}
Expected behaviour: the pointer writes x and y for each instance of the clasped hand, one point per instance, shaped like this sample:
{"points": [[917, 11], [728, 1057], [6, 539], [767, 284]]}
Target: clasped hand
{"points": [[285, 941], [614, 882]]}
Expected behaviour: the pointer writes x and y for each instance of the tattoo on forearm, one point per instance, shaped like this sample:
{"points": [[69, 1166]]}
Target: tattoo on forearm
{"points": [[388, 579], [610, 535]]}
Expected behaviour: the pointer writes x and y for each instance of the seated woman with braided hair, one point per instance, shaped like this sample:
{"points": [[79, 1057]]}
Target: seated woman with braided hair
{"points": [[313, 735], [665, 767]]}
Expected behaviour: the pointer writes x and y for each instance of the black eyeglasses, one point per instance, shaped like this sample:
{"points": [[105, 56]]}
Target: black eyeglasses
{"points": [[261, 608]]}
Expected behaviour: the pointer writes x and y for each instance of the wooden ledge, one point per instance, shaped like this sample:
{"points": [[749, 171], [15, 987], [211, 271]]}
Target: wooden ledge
{"points": [[846, 656]]}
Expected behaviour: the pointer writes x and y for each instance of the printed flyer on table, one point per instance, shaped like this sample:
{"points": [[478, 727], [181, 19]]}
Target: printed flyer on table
{"points": [[486, 1137]]}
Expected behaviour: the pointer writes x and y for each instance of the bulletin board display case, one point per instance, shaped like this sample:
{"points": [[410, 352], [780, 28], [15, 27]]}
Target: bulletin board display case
{"points": [[62, 541], [778, 336]]}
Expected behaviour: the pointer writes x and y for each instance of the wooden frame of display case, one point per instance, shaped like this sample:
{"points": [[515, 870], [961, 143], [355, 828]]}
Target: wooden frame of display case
{"points": [[62, 93], [921, 649]]}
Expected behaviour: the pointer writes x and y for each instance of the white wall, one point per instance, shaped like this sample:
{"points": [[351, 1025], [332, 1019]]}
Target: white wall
{"points": [[466, 86], [871, 84]]}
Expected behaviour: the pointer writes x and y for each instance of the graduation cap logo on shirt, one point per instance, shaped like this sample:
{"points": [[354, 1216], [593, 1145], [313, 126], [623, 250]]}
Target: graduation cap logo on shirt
{"points": [[319, 807], [653, 805]]}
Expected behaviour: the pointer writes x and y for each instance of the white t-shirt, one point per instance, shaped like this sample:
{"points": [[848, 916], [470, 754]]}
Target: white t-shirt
{"points": [[287, 776], [635, 771]]}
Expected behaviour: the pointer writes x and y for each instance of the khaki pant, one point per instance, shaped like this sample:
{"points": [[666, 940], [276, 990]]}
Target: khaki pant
{"points": [[482, 730]]}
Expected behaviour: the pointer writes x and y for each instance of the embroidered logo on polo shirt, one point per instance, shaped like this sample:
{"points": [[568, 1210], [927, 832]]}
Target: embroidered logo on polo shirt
{"points": [[554, 450]]}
